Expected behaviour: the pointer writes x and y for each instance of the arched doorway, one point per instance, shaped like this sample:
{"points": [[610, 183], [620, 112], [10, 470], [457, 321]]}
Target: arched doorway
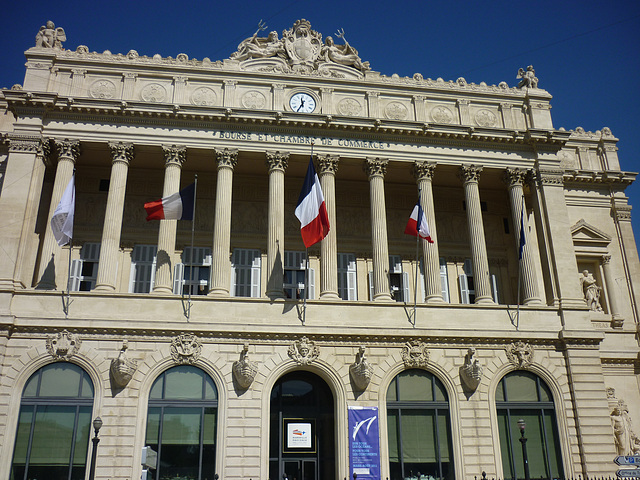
{"points": [[302, 440]]}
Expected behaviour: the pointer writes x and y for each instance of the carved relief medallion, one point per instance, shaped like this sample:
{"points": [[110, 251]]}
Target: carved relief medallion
{"points": [[486, 118], [254, 99], [415, 354], [361, 371], [350, 107], [244, 370], [396, 111], [63, 345], [203, 96], [153, 92], [122, 368], [186, 348], [303, 351], [520, 354], [441, 114], [102, 89]]}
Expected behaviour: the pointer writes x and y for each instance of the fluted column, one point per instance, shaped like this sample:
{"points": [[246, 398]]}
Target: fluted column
{"points": [[423, 172], [122, 154], [174, 158], [470, 174], [277, 163], [514, 178], [614, 304], [328, 166], [376, 168], [68, 153], [221, 268]]}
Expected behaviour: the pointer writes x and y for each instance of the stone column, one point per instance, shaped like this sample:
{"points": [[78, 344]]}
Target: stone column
{"points": [[221, 267], [376, 168], [68, 153], [174, 158], [514, 178], [612, 292], [122, 154], [277, 163], [328, 167], [470, 175], [423, 172]]}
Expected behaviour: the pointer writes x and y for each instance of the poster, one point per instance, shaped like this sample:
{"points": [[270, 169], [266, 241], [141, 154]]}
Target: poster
{"points": [[364, 442]]}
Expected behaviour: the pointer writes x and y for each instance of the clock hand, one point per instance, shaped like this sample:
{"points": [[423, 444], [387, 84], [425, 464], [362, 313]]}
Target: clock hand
{"points": [[301, 105]]}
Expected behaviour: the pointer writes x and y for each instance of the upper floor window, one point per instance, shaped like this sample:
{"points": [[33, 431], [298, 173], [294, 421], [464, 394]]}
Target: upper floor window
{"points": [[84, 271], [398, 280], [294, 275], [245, 272], [444, 280], [347, 278], [143, 268], [194, 273], [54, 424], [468, 286]]}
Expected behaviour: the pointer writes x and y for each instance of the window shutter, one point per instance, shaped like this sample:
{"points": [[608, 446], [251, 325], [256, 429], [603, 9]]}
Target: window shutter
{"points": [[405, 287], [444, 281], [256, 267], [494, 289], [468, 267], [422, 280], [352, 279], [143, 268], [347, 276], [464, 289], [395, 263], [90, 252], [312, 284], [74, 278], [178, 280], [371, 285]]}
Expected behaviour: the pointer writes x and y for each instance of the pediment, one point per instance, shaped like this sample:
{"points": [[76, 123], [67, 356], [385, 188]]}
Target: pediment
{"points": [[587, 235]]}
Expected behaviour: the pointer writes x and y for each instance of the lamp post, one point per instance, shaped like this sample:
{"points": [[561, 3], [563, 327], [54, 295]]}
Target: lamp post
{"points": [[523, 440], [97, 424]]}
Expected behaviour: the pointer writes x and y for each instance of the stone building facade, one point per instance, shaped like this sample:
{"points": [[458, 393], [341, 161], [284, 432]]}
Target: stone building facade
{"points": [[197, 343]]}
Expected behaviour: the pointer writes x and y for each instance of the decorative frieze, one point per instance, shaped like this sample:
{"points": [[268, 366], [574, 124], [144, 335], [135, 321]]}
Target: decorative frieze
{"points": [[520, 354], [186, 349], [244, 370], [361, 371], [303, 351], [102, 89], [122, 368], [63, 345], [203, 96], [415, 354]]}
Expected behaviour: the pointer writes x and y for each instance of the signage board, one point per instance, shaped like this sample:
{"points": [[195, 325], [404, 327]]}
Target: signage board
{"points": [[627, 460], [364, 443], [629, 473]]}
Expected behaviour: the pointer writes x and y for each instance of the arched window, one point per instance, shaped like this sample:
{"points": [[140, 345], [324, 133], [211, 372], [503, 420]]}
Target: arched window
{"points": [[54, 424], [181, 424], [523, 395], [419, 427]]}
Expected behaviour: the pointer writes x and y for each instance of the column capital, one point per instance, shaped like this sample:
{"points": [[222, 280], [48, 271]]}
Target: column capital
{"points": [[121, 152], [371, 93], [423, 170], [605, 259], [174, 154], [230, 82], [514, 177], [130, 75], [278, 86], [622, 212], [549, 176], [462, 101], [24, 143], [227, 158], [327, 163], [68, 149], [277, 160], [375, 167], [469, 173]]}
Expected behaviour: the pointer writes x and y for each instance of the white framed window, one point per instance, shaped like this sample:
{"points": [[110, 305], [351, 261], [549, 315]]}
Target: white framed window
{"points": [[347, 276], [467, 285], [294, 272], [398, 280], [85, 270], [193, 274], [143, 268], [245, 272]]}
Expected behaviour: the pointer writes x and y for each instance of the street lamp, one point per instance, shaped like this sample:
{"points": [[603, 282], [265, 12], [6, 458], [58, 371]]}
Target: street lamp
{"points": [[97, 424], [523, 440]]}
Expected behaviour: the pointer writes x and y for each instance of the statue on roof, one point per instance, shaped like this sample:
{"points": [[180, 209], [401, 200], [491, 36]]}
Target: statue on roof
{"points": [[342, 54], [528, 76], [259, 47], [50, 37]]}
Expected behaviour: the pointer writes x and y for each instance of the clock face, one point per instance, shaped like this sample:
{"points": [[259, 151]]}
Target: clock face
{"points": [[302, 102]]}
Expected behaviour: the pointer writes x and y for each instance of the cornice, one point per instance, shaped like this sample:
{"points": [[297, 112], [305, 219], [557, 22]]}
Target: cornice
{"points": [[612, 177]]}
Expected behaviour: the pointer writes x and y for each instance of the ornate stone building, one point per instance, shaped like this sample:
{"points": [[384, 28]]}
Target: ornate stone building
{"points": [[196, 343]]}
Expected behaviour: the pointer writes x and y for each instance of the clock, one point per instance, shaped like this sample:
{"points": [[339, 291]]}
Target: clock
{"points": [[302, 102]]}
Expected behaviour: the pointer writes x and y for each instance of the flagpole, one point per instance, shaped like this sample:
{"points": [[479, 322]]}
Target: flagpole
{"points": [[66, 311], [415, 282], [193, 223], [520, 255], [306, 285]]}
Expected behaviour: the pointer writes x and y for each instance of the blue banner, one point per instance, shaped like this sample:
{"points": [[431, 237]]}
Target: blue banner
{"points": [[364, 443]]}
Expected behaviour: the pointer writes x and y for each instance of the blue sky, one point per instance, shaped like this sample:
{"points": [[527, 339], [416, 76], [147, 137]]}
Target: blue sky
{"points": [[585, 53]]}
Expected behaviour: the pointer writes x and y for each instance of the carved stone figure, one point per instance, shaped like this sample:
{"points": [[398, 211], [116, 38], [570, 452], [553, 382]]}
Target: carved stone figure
{"points": [[258, 47], [520, 354], [50, 37], [303, 351], [415, 354], [122, 368], [342, 54], [591, 291], [302, 44], [528, 76], [244, 370], [620, 432], [186, 348], [63, 345], [361, 371], [471, 371]]}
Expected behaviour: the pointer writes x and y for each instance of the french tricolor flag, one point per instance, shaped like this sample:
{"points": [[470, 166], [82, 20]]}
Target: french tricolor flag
{"points": [[311, 209], [417, 224], [178, 206]]}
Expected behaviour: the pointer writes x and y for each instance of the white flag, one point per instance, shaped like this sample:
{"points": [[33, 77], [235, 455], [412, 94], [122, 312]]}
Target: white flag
{"points": [[62, 220]]}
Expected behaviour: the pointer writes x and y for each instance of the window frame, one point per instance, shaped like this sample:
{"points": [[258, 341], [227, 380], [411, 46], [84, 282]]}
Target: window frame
{"points": [[89, 255]]}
